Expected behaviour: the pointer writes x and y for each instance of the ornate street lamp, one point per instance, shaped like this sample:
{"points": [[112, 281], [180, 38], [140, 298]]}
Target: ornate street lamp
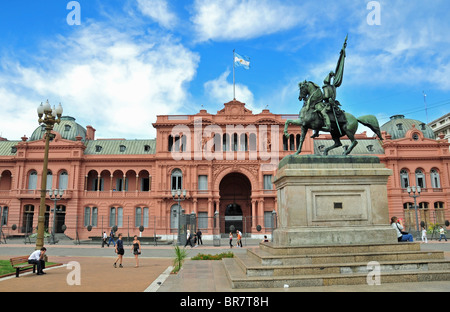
{"points": [[55, 195], [47, 118], [415, 190]]}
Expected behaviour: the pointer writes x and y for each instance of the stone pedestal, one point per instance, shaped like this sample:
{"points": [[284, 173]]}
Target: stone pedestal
{"points": [[328, 200]]}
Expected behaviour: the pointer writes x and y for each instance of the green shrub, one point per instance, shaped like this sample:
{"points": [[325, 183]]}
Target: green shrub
{"points": [[180, 255], [213, 257]]}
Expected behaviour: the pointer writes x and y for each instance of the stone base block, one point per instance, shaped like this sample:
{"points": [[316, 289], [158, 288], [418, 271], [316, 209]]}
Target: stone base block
{"points": [[350, 235]]}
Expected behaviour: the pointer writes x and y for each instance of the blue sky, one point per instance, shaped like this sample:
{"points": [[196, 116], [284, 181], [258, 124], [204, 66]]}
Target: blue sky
{"points": [[131, 60]]}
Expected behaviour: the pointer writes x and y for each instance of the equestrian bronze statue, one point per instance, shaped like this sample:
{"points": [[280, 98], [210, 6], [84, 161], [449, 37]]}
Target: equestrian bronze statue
{"points": [[322, 112]]}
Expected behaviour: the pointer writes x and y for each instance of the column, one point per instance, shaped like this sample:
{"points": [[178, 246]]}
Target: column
{"points": [[253, 215]]}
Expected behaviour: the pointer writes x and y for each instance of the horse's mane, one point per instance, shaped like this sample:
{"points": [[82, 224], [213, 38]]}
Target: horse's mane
{"points": [[308, 82]]}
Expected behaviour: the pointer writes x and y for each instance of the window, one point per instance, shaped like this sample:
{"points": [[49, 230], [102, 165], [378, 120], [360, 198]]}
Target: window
{"points": [[420, 178], [116, 216], [399, 126], [121, 184], [4, 215], [146, 184], [122, 148], [226, 142], [98, 148], [63, 180], [234, 144], [202, 183], [87, 216], [202, 220], [147, 148], [96, 186], [252, 142], [291, 142], [32, 180], [146, 217], [423, 205], [138, 217], [141, 217], [285, 143], [174, 216], [268, 220], [217, 143], [435, 180], [49, 180], [268, 182], [177, 179], [67, 128], [170, 146], [90, 216], [404, 178], [244, 142]]}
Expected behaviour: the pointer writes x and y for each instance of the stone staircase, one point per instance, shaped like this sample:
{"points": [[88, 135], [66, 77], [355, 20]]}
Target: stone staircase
{"points": [[272, 266]]}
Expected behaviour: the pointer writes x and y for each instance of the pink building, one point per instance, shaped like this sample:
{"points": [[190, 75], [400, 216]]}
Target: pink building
{"points": [[224, 162]]}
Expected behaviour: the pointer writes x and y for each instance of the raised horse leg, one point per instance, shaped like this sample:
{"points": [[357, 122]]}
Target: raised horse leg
{"points": [[302, 139], [288, 122]]}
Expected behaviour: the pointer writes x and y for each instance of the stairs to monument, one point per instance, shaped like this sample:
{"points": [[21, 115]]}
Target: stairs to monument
{"points": [[272, 266]]}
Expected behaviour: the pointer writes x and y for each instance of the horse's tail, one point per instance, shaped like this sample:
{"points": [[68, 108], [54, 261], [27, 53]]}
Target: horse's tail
{"points": [[371, 122]]}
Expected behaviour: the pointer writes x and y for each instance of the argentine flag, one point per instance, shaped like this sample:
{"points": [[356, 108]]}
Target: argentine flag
{"points": [[242, 61]]}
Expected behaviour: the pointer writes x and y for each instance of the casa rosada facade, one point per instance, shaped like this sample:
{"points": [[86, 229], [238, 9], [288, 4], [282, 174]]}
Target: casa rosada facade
{"points": [[221, 166]]}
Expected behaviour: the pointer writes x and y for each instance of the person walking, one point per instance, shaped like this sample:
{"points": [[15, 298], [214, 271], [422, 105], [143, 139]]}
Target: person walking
{"points": [[111, 238], [238, 240], [199, 237], [424, 235], [442, 234], [136, 249], [188, 238], [119, 251], [231, 239], [104, 239]]}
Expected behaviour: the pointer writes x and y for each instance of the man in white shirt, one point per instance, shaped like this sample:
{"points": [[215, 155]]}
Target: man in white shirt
{"points": [[37, 257]]}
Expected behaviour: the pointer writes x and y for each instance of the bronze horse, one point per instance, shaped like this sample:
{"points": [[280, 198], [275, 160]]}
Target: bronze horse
{"points": [[309, 118]]}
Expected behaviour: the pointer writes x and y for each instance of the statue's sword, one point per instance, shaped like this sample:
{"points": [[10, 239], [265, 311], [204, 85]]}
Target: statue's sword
{"points": [[335, 118]]}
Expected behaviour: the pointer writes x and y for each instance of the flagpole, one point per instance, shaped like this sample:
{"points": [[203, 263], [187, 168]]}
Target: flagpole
{"points": [[234, 81]]}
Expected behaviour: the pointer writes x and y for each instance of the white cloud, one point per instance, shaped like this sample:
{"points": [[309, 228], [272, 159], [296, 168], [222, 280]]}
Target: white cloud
{"points": [[159, 11], [220, 91], [116, 81], [234, 19]]}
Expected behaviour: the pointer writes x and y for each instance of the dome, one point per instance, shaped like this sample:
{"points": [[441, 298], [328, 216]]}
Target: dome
{"points": [[399, 125], [67, 128]]}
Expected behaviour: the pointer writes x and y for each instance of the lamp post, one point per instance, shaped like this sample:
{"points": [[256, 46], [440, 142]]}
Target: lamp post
{"points": [[178, 196], [55, 195], [47, 117], [415, 193]]}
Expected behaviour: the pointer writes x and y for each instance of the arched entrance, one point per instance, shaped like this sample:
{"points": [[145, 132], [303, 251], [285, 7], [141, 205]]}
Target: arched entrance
{"points": [[235, 203]]}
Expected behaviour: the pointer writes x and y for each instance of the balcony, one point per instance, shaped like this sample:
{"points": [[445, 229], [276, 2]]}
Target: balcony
{"points": [[32, 194], [117, 194]]}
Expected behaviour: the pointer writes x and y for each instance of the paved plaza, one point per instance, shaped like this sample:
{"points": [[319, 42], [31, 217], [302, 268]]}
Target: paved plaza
{"points": [[97, 273]]}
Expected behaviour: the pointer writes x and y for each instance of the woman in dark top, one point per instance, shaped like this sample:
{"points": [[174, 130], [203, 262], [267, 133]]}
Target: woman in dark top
{"points": [[119, 251], [136, 249]]}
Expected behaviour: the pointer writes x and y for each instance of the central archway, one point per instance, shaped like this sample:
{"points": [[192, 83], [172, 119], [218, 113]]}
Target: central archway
{"points": [[235, 203]]}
